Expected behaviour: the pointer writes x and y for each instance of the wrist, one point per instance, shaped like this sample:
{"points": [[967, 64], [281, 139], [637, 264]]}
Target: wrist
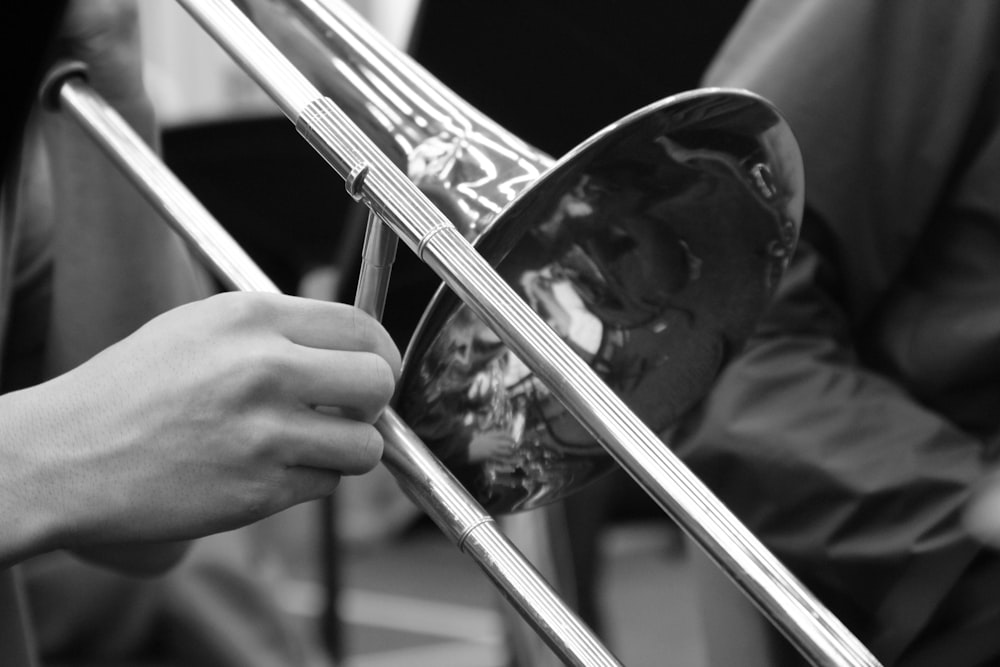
{"points": [[30, 521]]}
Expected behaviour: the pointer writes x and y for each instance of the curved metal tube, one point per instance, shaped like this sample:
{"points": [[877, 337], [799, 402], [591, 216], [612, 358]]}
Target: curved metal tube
{"points": [[652, 295], [418, 472], [371, 175], [469, 166]]}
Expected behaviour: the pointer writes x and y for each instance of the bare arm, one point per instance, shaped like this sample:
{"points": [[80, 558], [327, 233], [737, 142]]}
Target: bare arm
{"points": [[156, 429], [202, 421], [116, 263]]}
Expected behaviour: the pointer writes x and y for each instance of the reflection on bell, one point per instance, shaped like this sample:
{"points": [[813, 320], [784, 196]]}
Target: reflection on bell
{"points": [[651, 249]]}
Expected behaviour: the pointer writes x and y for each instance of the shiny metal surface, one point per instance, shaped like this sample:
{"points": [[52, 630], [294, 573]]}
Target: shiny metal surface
{"points": [[418, 472], [426, 231], [651, 250], [470, 167], [635, 280]]}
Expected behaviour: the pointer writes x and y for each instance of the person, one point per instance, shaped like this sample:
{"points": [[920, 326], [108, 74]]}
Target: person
{"points": [[139, 411], [862, 414]]}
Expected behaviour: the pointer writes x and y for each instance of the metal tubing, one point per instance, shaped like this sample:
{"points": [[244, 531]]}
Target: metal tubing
{"points": [[377, 257], [477, 534], [817, 633], [417, 471], [161, 187]]}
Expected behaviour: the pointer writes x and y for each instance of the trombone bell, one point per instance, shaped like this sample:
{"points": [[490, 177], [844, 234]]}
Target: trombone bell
{"points": [[651, 249]]}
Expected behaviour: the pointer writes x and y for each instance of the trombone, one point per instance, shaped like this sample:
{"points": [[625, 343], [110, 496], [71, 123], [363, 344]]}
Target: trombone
{"points": [[573, 407]]}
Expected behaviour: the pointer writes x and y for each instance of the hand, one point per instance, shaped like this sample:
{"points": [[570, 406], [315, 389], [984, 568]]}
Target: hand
{"points": [[204, 420]]}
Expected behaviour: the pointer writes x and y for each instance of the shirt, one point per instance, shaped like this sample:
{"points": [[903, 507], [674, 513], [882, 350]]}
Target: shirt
{"points": [[861, 415]]}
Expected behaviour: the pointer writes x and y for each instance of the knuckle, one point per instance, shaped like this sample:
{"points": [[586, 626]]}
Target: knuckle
{"points": [[263, 438], [246, 384], [262, 373], [271, 364], [242, 308]]}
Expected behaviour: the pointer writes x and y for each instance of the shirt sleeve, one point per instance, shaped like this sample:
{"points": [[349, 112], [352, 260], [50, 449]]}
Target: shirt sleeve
{"points": [[850, 482], [828, 455]]}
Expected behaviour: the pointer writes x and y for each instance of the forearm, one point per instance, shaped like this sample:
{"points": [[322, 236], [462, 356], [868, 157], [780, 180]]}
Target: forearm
{"points": [[41, 507], [116, 263], [34, 516]]}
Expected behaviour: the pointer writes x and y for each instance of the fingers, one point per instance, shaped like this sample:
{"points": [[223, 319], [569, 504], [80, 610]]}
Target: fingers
{"points": [[319, 374], [360, 384], [309, 484], [334, 326], [313, 454], [334, 443], [337, 357]]}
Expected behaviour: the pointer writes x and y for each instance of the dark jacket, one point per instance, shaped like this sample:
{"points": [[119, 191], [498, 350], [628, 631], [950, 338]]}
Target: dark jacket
{"points": [[850, 434]]}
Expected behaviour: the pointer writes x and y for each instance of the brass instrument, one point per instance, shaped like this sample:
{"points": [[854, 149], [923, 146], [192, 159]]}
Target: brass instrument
{"points": [[701, 193], [627, 270]]}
